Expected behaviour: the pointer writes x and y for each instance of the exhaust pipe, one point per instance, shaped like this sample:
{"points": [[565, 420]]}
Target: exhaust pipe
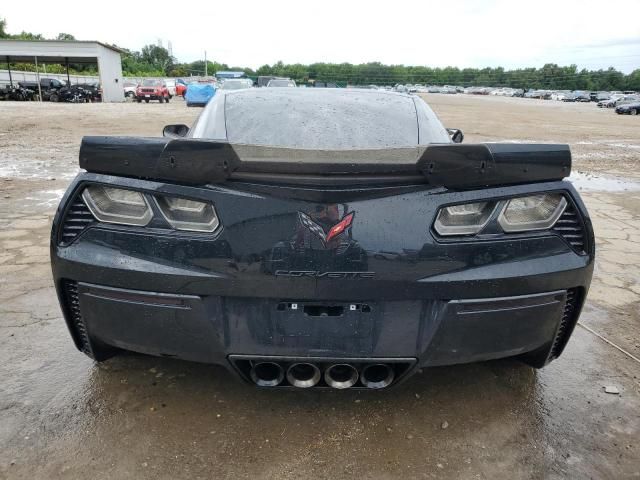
{"points": [[303, 375], [267, 374], [377, 375], [341, 375]]}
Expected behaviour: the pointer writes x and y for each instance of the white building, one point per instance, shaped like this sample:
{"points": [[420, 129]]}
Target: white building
{"points": [[106, 57]]}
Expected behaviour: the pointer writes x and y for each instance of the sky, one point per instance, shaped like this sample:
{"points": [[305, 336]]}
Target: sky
{"points": [[462, 33]]}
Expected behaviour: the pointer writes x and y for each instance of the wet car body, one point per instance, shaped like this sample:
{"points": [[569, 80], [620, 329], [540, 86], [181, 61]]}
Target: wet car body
{"points": [[321, 273]]}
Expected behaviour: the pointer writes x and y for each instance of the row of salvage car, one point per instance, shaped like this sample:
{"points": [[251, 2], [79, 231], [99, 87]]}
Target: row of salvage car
{"points": [[624, 102], [52, 90]]}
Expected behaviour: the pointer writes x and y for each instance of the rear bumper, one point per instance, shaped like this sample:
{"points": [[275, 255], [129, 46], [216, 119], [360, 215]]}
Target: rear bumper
{"points": [[210, 328], [149, 96]]}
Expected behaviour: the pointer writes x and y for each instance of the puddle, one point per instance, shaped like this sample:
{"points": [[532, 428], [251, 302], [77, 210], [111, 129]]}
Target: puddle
{"points": [[46, 198], [590, 182], [611, 143]]}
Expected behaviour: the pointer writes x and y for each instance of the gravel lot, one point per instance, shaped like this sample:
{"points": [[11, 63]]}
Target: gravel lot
{"points": [[134, 416]]}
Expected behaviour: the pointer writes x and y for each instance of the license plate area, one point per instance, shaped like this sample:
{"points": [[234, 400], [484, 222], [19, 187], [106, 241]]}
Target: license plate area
{"points": [[323, 310], [323, 320]]}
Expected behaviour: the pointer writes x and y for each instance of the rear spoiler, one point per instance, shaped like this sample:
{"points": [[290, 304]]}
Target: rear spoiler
{"points": [[201, 162]]}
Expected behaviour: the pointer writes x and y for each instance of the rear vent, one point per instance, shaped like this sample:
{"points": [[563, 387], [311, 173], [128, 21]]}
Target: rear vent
{"points": [[72, 298], [569, 318], [76, 220], [570, 227]]}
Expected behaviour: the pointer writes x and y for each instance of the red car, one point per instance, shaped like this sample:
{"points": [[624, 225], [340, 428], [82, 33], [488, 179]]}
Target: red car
{"points": [[181, 88], [152, 90]]}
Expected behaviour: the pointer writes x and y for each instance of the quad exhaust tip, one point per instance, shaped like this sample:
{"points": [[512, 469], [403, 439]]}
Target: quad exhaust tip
{"points": [[377, 375], [307, 375], [341, 375], [267, 374], [303, 375]]}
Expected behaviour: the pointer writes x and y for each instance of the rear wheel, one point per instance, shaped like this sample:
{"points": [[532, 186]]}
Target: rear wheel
{"points": [[633, 111], [53, 97], [139, 100]]}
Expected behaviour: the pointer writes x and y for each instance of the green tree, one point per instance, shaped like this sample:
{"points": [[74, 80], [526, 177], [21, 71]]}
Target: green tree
{"points": [[157, 57], [3, 28], [65, 36]]}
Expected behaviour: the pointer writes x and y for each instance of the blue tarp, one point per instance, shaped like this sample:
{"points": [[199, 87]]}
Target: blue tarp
{"points": [[199, 93]]}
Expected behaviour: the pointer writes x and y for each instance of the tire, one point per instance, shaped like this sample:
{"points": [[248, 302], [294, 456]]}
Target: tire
{"points": [[633, 111], [54, 98], [139, 100], [146, 100], [167, 99], [161, 100]]}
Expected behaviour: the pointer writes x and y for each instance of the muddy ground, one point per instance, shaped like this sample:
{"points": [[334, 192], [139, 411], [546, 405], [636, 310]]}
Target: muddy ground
{"points": [[134, 416]]}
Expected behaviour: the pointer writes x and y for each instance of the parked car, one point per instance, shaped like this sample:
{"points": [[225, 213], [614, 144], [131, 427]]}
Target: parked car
{"points": [[181, 87], [581, 96], [236, 84], [577, 96], [633, 98], [171, 86], [560, 95], [263, 80], [610, 101], [632, 108], [199, 94], [281, 82], [49, 88], [152, 89], [618, 100], [130, 89], [283, 244]]}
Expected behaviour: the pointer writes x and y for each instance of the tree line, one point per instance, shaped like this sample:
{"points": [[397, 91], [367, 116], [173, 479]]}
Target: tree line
{"points": [[155, 61]]}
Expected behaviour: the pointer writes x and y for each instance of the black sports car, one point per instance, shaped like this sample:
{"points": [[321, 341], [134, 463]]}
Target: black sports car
{"points": [[321, 238], [632, 108]]}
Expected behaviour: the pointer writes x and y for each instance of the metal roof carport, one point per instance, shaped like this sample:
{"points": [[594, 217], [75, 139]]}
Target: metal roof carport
{"points": [[70, 51]]}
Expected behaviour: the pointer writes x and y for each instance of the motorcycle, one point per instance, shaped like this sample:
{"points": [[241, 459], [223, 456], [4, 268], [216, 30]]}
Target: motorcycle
{"points": [[73, 94], [19, 94]]}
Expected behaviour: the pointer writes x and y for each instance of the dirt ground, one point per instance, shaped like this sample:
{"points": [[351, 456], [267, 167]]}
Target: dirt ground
{"points": [[134, 416]]}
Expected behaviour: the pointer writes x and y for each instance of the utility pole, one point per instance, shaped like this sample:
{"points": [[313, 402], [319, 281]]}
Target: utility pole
{"points": [[205, 63]]}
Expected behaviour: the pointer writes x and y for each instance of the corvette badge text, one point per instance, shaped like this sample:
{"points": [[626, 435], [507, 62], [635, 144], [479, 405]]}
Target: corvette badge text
{"points": [[318, 274]]}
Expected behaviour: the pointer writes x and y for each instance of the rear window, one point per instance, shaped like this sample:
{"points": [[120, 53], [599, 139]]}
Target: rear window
{"points": [[327, 119]]}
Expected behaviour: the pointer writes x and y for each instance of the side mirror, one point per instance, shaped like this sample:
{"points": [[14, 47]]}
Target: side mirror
{"points": [[456, 135], [175, 131]]}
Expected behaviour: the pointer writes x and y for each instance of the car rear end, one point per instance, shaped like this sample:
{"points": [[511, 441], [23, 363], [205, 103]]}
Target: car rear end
{"points": [[325, 268]]}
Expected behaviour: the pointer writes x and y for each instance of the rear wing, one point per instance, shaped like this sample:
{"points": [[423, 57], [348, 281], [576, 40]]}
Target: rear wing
{"points": [[201, 162]]}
